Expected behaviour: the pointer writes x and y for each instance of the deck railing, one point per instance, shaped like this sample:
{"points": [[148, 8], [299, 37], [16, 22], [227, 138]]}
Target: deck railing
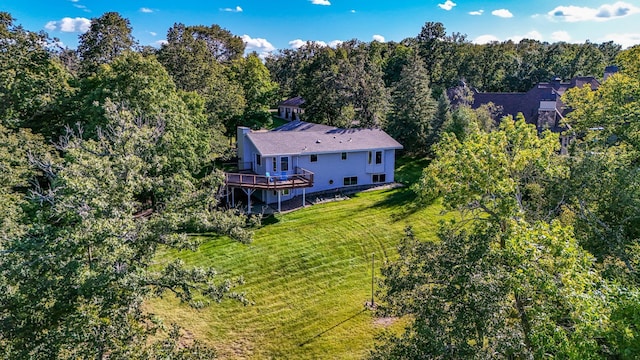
{"points": [[301, 179]]}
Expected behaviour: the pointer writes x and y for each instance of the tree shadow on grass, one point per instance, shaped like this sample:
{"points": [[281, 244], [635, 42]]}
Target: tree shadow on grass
{"points": [[311, 339], [404, 200], [269, 219]]}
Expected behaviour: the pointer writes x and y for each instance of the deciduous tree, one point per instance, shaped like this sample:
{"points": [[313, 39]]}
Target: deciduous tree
{"points": [[108, 37], [76, 273]]}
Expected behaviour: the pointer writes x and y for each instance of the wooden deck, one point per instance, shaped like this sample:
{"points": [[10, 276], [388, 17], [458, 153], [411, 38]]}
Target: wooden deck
{"points": [[301, 179]]}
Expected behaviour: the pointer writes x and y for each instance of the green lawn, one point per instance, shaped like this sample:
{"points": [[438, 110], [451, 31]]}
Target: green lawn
{"points": [[276, 121], [308, 273]]}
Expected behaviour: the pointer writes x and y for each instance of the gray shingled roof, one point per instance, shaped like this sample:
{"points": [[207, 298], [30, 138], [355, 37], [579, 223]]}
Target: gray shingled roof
{"points": [[295, 101], [299, 137], [528, 102]]}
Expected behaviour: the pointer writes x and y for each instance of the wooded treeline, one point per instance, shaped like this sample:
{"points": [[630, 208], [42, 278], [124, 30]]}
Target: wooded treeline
{"points": [[399, 87], [108, 155], [544, 260]]}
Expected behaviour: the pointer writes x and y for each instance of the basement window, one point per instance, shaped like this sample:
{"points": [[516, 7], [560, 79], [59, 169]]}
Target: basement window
{"points": [[313, 157], [350, 180], [379, 178]]}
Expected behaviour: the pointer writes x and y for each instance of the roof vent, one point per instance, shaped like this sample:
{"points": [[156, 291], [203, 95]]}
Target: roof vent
{"points": [[318, 141]]}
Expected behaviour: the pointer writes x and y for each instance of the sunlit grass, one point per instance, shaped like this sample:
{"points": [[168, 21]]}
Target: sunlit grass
{"points": [[308, 273]]}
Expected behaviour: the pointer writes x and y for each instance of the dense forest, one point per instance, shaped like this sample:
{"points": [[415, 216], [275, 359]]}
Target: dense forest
{"points": [[111, 153]]}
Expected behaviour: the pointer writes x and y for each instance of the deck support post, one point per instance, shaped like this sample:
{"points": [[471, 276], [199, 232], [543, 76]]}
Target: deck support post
{"points": [[233, 197], [248, 192], [279, 201], [304, 202]]}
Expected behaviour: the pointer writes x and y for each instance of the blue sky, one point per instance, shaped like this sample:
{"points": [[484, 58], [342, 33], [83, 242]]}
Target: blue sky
{"points": [[270, 25]]}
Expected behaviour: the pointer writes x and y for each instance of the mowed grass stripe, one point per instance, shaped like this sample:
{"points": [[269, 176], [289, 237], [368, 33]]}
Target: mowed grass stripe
{"points": [[309, 274]]}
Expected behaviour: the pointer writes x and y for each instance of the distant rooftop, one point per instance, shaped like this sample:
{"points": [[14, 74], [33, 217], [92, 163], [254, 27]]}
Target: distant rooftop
{"points": [[295, 101], [299, 137]]}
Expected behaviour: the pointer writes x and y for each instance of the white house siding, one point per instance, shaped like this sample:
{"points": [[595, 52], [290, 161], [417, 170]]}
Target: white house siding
{"points": [[245, 148], [330, 171], [289, 112]]}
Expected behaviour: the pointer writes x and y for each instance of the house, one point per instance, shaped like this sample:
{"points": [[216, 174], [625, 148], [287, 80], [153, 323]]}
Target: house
{"points": [[541, 105], [291, 109], [300, 157]]}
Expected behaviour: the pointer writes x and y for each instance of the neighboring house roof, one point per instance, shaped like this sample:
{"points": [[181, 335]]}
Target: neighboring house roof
{"points": [[528, 102], [295, 102], [299, 137]]}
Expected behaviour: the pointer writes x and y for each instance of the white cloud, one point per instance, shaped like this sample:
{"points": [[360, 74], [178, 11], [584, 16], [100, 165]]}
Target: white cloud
{"points": [[626, 40], [82, 7], [533, 35], [603, 13], [353, 11], [485, 39], [503, 13], [161, 42], [236, 9], [298, 43], [560, 36], [80, 25], [321, 2], [448, 5], [153, 33], [51, 25], [145, 10], [257, 44], [378, 38], [476, 13]]}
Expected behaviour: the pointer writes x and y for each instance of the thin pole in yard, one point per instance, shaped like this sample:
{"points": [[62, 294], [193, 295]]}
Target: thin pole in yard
{"points": [[373, 259]]}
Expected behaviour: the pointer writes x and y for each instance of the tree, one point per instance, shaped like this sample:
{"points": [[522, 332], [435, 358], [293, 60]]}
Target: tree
{"points": [[17, 146], [604, 187], [324, 102], [194, 54], [259, 91], [534, 296], [197, 59], [32, 81], [344, 87], [109, 36], [75, 275], [287, 67], [413, 108], [441, 118], [629, 61], [362, 74], [511, 281], [143, 87], [207, 44], [501, 173], [431, 45]]}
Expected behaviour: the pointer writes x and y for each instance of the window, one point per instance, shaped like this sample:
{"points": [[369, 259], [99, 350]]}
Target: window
{"points": [[275, 164], [314, 157], [378, 157], [284, 163], [284, 192], [350, 180], [370, 156], [344, 156], [258, 159], [379, 178]]}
